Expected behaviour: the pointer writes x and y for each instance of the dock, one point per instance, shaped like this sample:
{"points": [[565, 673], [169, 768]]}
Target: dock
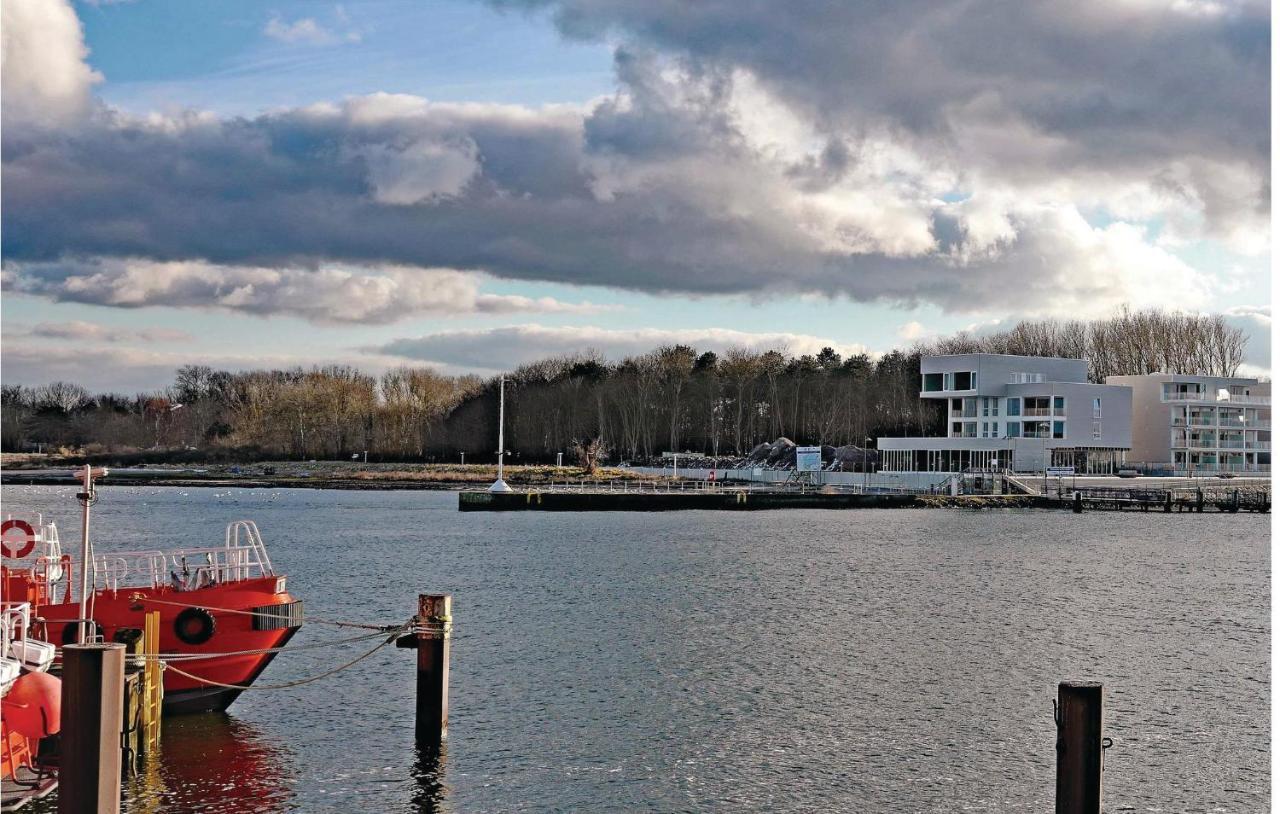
{"points": [[659, 497], [586, 496]]}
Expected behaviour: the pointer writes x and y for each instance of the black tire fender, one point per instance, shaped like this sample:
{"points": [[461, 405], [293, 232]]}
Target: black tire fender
{"points": [[194, 625]]}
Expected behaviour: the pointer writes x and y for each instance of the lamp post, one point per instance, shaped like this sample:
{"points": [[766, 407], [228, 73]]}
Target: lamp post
{"points": [[1044, 427], [500, 485], [866, 442]]}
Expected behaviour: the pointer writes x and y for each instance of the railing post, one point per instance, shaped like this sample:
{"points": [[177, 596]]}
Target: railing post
{"points": [[434, 627], [92, 722], [1078, 715]]}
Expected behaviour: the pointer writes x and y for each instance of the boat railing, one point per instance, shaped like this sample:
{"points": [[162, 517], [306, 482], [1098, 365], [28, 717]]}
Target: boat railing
{"points": [[242, 556]]}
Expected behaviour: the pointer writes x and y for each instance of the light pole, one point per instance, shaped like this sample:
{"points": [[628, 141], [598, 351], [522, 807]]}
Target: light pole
{"points": [[866, 442], [500, 485], [1044, 427]]}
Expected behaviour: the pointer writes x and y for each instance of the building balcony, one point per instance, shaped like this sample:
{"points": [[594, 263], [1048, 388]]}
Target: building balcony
{"points": [[1034, 412], [1257, 445], [1212, 398]]}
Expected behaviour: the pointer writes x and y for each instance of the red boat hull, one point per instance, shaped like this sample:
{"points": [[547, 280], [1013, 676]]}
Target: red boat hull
{"points": [[247, 615]]}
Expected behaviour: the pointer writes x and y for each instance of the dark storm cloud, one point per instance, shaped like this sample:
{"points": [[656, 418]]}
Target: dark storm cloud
{"points": [[751, 148]]}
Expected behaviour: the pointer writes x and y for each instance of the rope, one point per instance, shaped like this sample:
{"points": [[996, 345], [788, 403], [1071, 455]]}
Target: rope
{"points": [[290, 684], [259, 651], [336, 623]]}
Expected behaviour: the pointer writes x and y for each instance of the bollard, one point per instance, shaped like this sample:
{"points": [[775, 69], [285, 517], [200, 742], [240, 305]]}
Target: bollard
{"points": [[1078, 715], [1199, 500], [1077, 503], [92, 720], [1168, 502], [434, 626]]}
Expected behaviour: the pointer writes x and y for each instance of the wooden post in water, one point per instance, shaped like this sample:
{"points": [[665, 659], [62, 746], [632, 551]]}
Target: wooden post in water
{"points": [[92, 719], [434, 626], [1078, 715]]}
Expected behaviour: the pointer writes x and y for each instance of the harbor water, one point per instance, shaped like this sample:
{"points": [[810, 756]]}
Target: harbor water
{"points": [[800, 660]]}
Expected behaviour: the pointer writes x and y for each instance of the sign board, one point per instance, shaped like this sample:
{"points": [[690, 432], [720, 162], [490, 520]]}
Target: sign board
{"points": [[1059, 471], [808, 459]]}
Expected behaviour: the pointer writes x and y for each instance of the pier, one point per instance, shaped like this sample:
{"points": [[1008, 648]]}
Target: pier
{"points": [[681, 496]]}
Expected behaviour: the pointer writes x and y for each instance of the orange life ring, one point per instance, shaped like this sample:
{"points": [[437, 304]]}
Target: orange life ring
{"points": [[28, 541]]}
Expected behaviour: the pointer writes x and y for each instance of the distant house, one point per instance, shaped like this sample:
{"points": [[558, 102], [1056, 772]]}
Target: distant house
{"points": [[1016, 412], [1199, 423]]}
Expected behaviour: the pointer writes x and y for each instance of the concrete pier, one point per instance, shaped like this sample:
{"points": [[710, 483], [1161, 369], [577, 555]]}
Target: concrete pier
{"points": [[726, 499]]}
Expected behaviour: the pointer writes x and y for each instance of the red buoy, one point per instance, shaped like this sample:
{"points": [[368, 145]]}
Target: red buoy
{"points": [[33, 705]]}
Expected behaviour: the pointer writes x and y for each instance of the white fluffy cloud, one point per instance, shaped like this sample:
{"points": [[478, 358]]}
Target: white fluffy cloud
{"points": [[326, 295], [45, 79]]}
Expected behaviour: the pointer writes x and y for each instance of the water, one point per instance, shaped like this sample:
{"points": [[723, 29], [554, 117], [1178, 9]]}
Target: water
{"points": [[694, 661]]}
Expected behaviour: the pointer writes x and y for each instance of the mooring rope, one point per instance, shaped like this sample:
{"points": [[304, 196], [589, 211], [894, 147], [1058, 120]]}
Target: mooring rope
{"points": [[261, 650], [299, 682]]}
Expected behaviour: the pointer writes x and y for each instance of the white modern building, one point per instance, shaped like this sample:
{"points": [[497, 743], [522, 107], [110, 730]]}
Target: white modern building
{"points": [[1016, 412], [1190, 424]]}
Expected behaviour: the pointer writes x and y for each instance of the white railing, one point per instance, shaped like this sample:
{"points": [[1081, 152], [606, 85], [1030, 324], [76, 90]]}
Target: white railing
{"points": [[242, 556], [1213, 397]]}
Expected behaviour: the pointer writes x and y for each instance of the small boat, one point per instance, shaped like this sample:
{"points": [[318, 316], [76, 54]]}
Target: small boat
{"points": [[224, 611]]}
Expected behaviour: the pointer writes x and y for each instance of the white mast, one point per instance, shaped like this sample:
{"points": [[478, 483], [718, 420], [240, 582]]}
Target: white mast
{"points": [[87, 498], [500, 485]]}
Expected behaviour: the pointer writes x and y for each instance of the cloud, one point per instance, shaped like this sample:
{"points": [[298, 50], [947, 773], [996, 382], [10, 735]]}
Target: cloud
{"points": [[504, 348], [896, 153], [117, 369], [1255, 321], [911, 331], [45, 79], [324, 295], [80, 331], [307, 31]]}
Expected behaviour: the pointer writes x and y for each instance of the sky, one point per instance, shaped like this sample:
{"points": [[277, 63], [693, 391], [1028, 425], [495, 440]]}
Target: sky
{"points": [[473, 185]]}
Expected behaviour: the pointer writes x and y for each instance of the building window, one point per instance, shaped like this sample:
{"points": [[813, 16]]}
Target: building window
{"points": [[1013, 429], [1097, 430], [1057, 429], [1014, 407], [932, 382], [1097, 408], [971, 408], [956, 429], [963, 380], [1059, 405]]}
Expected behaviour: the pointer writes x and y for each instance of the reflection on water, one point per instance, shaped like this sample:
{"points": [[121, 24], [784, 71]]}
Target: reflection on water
{"points": [[214, 762], [790, 661], [429, 772]]}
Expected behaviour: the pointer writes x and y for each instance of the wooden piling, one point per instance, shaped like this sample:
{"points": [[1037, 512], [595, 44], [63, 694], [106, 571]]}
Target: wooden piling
{"points": [[434, 627], [92, 720], [1078, 715]]}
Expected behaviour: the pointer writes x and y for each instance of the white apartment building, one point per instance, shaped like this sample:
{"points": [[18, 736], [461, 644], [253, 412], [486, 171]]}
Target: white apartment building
{"points": [[1189, 424], [1019, 413]]}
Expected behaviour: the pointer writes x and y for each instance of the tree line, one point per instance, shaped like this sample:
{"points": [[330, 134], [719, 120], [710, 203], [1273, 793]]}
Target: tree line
{"points": [[672, 398]]}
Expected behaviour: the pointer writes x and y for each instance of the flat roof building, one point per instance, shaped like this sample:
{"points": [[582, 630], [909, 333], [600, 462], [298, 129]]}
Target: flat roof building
{"points": [[1016, 412], [1199, 424]]}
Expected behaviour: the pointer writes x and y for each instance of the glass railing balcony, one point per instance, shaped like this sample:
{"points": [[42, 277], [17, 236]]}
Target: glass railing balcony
{"points": [[1257, 445], [1033, 412]]}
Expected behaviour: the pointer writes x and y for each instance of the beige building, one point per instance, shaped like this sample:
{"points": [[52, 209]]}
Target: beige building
{"points": [[1199, 423]]}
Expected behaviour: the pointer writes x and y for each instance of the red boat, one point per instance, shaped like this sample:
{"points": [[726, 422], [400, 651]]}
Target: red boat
{"points": [[224, 611]]}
